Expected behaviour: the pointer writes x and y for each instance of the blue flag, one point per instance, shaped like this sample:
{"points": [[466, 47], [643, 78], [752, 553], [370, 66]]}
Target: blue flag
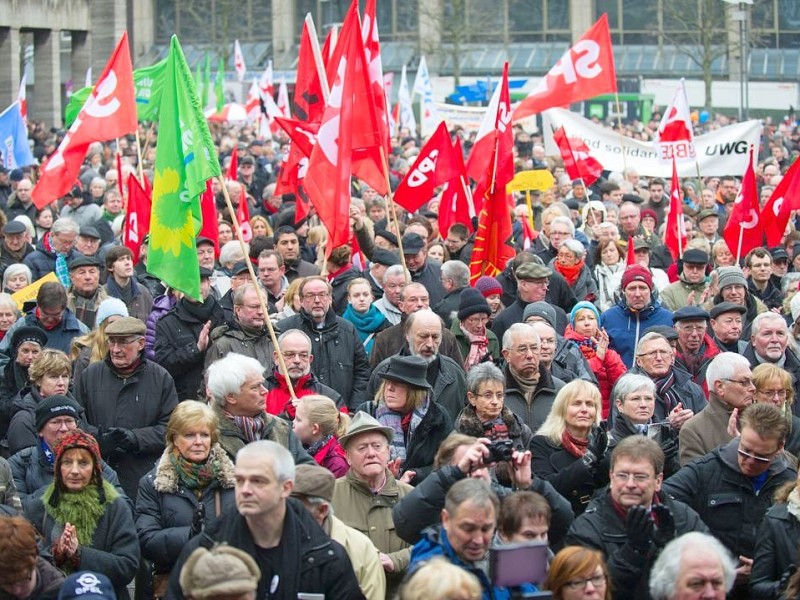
{"points": [[14, 147]]}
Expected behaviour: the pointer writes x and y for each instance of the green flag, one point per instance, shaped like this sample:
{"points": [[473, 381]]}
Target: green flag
{"points": [[147, 82], [206, 80], [185, 160], [219, 85]]}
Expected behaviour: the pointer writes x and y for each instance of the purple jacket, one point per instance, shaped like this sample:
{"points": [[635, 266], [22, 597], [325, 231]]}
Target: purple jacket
{"points": [[161, 306]]}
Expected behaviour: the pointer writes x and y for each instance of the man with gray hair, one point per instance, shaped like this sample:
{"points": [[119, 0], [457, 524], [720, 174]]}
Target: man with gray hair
{"points": [[295, 556], [393, 281], [561, 229], [694, 565], [455, 278], [246, 333], [730, 387], [54, 252]]}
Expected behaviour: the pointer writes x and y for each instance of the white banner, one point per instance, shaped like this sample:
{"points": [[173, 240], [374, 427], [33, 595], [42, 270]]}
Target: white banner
{"points": [[721, 152]]}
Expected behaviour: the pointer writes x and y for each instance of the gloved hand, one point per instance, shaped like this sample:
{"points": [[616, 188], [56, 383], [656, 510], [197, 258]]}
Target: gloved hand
{"points": [[640, 527], [121, 439], [669, 443], [198, 519], [598, 441], [665, 531]]}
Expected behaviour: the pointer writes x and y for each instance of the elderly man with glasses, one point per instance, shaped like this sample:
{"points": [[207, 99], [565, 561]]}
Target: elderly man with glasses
{"points": [[732, 487]]}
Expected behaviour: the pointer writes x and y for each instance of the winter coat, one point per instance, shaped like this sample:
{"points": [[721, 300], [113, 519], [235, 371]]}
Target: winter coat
{"points": [[725, 499], [7, 258], [371, 514], [22, 431], [625, 327], [709, 350], [516, 310], [161, 306], [85, 215], [606, 370], [58, 338], [422, 507], [569, 363], [332, 457], [278, 401], [43, 260], [435, 543], [143, 403], [772, 296], [391, 341], [230, 337], [232, 439], [424, 442], [535, 413], [704, 431], [15, 208], [48, 582], [676, 295], [606, 277], [114, 550], [176, 349], [776, 552], [340, 361], [585, 287], [430, 276], [165, 507], [12, 381], [312, 563], [363, 555], [519, 434], [662, 434], [141, 301], [85, 308], [449, 389], [301, 269], [568, 474], [601, 527], [791, 364], [152, 283], [8, 488], [493, 352], [447, 308], [339, 285]]}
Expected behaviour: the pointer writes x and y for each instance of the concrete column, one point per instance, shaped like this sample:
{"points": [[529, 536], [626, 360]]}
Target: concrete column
{"points": [[581, 17], [47, 68], [10, 71], [81, 58], [108, 21], [429, 23], [143, 28], [284, 31]]}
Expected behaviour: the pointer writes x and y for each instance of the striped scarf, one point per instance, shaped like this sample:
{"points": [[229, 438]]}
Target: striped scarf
{"points": [[251, 427]]}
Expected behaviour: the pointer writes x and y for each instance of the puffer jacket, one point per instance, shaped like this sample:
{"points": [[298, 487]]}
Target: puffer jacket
{"points": [[625, 327], [165, 507], [607, 370], [161, 306]]}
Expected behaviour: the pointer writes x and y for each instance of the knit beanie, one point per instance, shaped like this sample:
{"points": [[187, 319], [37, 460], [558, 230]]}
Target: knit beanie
{"points": [[637, 273], [55, 406], [78, 438], [108, 308], [583, 305], [730, 276], [488, 286], [540, 309], [472, 302]]}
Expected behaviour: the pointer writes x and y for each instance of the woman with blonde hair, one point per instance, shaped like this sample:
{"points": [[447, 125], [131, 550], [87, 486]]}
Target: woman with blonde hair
{"points": [[318, 424], [289, 305], [775, 385], [93, 347], [441, 579], [362, 312], [578, 573], [569, 450], [260, 226]]}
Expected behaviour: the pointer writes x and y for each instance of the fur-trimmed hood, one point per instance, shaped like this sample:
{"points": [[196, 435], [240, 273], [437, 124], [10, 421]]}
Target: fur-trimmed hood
{"points": [[167, 481]]}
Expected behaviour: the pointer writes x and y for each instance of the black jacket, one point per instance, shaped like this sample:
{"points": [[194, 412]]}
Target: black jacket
{"points": [[431, 277], [714, 486], [776, 551], [516, 310], [663, 435], [339, 285], [392, 340], [691, 394], [312, 562], [601, 527], [791, 364], [447, 307], [176, 350], [340, 361]]}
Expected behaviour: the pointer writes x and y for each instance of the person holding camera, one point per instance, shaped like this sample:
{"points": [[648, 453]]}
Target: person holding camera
{"points": [[569, 450]]}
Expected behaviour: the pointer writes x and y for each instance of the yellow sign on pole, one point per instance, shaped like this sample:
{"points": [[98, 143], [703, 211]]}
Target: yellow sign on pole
{"points": [[538, 179], [29, 293]]}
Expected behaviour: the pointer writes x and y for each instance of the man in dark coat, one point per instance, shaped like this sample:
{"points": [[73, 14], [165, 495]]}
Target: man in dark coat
{"points": [[59, 244], [695, 348], [128, 400], [733, 486], [182, 338], [455, 279], [246, 333], [632, 522], [287, 243], [14, 248], [276, 530], [340, 361], [424, 271]]}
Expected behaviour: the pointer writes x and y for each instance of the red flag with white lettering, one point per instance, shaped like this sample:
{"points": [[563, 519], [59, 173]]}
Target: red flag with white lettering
{"points": [[778, 209], [137, 217], [675, 136], [498, 111], [372, 48], [455, 203], [436, 164], [672, 240], [109, 112], [584, 71], [293, 170], [578, 161], [744, 231]]}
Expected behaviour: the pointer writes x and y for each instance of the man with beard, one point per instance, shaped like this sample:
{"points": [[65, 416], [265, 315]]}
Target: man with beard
{"points": [[183, 335], [423, 337], [287, 243], [696, 348], [15, 248], [295, 347], [726, 326], [85, 293]]}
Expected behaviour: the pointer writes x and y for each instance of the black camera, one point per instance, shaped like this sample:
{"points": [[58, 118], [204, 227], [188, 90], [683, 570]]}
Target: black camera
{"points": [[500, 451]]}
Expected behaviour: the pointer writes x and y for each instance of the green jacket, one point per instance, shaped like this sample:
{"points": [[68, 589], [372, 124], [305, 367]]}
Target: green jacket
{"points": [[463, 342]]}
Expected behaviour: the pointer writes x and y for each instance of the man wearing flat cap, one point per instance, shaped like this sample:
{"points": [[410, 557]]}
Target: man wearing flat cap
{"points": [[424, 271], [88, 242], [85, 294], [691, 283], [379, 263], [128, 400], [696, 348], [726, 326], [15, 246]]}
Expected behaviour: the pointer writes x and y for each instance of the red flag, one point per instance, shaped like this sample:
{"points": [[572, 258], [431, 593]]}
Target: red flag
{"points": [[242, 210], [498, 114], [109, 112], [308, 103], [208, 209], [455, 203], [21, 98], [676, 242], [436, 164], [327, 48], [290, 181], [578, 161], [493, 240], [372, 49], [778, 209], [137, 217], [675, 136], [233, 167], [743, 226], [630, 257], [586, 70]]}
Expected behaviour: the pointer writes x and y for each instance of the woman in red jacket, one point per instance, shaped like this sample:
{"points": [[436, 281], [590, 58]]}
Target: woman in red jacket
{"points": [[318, 424]]}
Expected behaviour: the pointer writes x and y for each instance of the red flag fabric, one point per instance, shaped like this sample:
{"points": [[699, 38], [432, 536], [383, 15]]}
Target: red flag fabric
{"points": [[137, 217], [455, 204], [675, 136], [233, 167], [586, 70], [308, 103], [436, 164], [630, 257], [744, 226], [493, 241], [290, 181], [243, 217], [372, 48], [778, 209], [578, 161], [109, 112], [676, 242], [208, 209], [327, 47]]}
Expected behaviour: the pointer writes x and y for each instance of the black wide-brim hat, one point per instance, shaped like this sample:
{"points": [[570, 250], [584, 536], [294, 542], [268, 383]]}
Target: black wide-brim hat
{"points": [[410, 370]]}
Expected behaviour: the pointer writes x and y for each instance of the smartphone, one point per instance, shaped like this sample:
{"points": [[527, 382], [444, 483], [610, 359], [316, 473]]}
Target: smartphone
{"points": [[514, 564]]}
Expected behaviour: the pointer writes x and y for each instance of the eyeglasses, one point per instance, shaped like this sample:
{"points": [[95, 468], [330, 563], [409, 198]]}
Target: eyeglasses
{"points": [[122, 341], [67, 422], [489, 396], [654, 353], [523, 350], [623, 477], [748, 382], [293, 355], [755, 457], [580, 584], [781, 394], [316, 295]]}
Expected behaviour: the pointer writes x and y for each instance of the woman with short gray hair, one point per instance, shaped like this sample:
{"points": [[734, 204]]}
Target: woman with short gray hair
{"points": [[570, 262]]}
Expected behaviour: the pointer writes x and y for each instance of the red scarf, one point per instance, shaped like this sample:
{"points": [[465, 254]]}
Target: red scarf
{"points": [[39, 318], [279, 402], [570, 272], [336, 273], [574, 446]]}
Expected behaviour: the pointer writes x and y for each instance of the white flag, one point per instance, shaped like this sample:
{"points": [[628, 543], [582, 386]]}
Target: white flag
{"points": [[283, 99], [429, 115], [407, 118], [238, 61], [265, 83], [21, 98]]}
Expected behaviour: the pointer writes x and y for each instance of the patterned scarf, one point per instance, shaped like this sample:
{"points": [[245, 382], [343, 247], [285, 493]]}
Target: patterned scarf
{"points": [[574, 446], [665, 389], [478, 347], [402, 431], [318, 445], [48, 452], [62, 271], [195, 476], [251, 427]]}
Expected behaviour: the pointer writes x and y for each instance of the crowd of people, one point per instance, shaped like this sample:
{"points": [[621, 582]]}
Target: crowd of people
{"points": [[405, 422]]}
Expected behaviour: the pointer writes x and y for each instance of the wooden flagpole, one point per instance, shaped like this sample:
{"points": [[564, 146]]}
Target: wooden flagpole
{"points": [[393, 212]]}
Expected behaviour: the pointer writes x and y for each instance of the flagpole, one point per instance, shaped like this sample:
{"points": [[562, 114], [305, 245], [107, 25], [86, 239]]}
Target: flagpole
{"points": [[739, 247], [530, 209], [147, 139], [139, 153], [261, 301], [393, 212], [621, 137]]}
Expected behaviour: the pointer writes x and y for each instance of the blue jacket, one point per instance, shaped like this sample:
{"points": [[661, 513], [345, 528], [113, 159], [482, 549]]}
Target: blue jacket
{"points": [[625, 327], [435, 543], [59, 338]]}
